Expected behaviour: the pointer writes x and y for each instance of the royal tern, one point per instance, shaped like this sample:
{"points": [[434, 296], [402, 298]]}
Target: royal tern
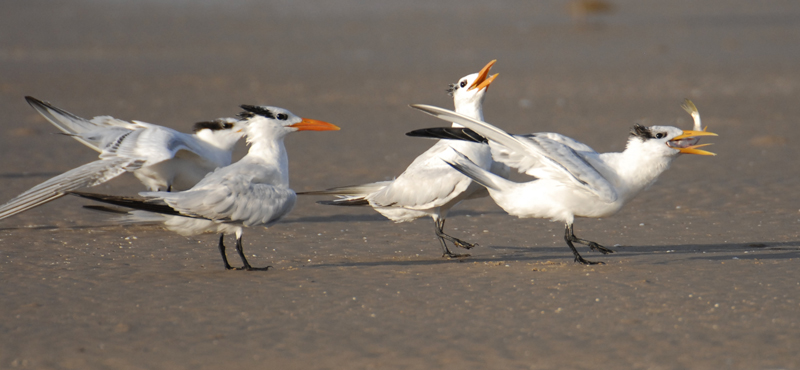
{"points": [[160, 157], [571, 179], [251, 192], [428, 186]]}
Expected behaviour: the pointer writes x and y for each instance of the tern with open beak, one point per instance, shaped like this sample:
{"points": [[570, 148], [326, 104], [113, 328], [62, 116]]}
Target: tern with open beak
{"points": [[571, 179], [428, 186]]}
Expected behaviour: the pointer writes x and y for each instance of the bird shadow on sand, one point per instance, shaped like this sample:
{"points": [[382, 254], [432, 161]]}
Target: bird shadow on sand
{"points": [[557, 254], [374, 216], [749, 250], [334, 218], [81, 227]]}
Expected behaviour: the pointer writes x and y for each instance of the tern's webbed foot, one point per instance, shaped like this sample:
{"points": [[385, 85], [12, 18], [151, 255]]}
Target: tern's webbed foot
{"points": [[583, 261], [449, 254], [250, 268], [569, 237], [439, 228], [597, 247], [462, 244]]}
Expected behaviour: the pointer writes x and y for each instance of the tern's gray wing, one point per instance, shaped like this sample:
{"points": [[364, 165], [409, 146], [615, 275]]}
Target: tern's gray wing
{"points": [[155, 144], [90, 174], [566, 140], [115, 138], [235, 198], [561, 159], [429, 182], [503, 154], [538, 156], [76, 127]]}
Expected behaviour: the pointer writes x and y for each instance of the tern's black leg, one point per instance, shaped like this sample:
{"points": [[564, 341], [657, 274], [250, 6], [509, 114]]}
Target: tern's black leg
{"points": [[569, 238], [222, 251], [246, 266], [438, 225], [592, 245], [241, 254]]}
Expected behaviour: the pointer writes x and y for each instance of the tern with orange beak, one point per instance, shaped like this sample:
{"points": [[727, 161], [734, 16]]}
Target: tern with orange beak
{"points": [[571, 179], [251, 192], [428, 186]]}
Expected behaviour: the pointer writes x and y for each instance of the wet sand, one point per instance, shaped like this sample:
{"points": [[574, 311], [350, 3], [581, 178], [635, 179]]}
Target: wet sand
{"points": [[705, 270]]}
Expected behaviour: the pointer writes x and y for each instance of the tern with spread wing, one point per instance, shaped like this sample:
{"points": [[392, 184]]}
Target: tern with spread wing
{"points": [[428, 186], [160, 157], [251, 192], [571, 179]]}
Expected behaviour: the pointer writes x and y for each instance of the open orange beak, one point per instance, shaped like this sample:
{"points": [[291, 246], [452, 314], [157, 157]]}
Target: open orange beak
{"points": [[683, 142], [308, 124], [484, 80]]}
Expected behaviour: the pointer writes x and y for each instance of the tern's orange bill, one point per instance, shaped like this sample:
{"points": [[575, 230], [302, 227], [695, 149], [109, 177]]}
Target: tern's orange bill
{"points": [[484, 79], [690, 133], [308, 124], [691, 149]]}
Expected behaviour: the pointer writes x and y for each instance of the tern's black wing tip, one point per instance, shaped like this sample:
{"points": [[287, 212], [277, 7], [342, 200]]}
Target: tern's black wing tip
{"points": [[129, 202], [106, 209], [37, 102], [451, 133], [345, 202]]}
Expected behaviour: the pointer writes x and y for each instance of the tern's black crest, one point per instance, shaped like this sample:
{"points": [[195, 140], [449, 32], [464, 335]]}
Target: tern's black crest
{"points": [[254, 109], [642, 132], [214, 125], [451, 89]]}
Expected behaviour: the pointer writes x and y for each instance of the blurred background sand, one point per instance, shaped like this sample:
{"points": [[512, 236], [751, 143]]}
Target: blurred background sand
{"points": [[705, 274]]}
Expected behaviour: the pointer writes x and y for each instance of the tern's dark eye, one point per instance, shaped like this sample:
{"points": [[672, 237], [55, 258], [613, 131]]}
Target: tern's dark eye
{"points": [[463, 83], [282, 116], [228, 125], [660, 135]]}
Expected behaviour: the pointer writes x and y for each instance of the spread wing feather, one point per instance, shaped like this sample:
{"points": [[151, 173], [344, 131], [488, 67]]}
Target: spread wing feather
{"points": [[539, 156], [88, 175]]}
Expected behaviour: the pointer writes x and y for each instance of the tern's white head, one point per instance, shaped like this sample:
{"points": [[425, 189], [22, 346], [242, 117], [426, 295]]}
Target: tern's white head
{"points": [[666, 141], [469, 91], [265, 121], [222, 133]]}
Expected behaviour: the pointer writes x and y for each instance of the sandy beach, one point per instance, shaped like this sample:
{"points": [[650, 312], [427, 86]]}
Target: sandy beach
{"points": [[705, 274]]}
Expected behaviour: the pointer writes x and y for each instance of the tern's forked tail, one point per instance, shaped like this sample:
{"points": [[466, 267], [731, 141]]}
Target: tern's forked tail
{"points": [[347, 201], [477, 174], [353, 195], [350, 190]]}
